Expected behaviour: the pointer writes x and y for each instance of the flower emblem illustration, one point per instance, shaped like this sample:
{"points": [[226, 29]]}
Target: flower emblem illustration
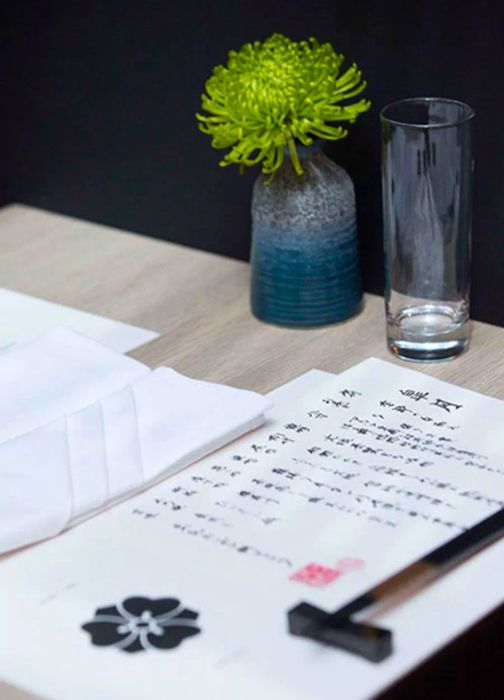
{"points": [[142, 624]]}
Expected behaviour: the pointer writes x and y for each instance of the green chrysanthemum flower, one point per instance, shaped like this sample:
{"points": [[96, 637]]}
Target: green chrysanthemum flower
{"points": [[275, 93]]}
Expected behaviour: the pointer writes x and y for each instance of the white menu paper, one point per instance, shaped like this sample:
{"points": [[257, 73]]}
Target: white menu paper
{"points": [[184, 590]]}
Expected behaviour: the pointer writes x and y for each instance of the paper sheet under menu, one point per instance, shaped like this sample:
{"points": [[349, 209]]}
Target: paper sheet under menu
{"points": [[24, 317], [184, 589]]}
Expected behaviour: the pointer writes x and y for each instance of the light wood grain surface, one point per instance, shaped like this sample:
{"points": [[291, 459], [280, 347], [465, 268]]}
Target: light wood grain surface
{"points": [[199, 304]]}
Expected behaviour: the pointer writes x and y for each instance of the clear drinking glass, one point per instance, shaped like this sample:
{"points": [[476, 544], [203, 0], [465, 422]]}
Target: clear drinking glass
{"points": [[427, 168]]}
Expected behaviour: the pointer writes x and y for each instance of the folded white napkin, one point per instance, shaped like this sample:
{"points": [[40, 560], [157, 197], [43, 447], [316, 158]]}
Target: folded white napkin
{"points": [[55, 375], [83, 427]]}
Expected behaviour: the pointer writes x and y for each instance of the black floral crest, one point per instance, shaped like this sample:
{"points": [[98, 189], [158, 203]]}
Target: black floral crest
{"points": [[142, 624]]}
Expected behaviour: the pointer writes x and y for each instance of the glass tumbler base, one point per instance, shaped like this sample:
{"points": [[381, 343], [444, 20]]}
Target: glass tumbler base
{"points": [[422, 351], [428, 333]]}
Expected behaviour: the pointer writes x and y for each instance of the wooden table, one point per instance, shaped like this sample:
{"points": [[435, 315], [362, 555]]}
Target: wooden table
{"points": [[199, 304]]}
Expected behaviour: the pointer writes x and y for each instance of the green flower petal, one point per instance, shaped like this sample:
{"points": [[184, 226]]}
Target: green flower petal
{"points": [[275, 93]]}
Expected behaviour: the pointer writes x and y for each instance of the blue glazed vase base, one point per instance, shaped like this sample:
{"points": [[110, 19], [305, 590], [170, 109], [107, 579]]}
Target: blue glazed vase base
{"points": [[307, 323], [305, 279]]}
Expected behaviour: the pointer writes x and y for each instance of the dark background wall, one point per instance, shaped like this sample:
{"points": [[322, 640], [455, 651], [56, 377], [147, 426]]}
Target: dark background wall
{"points": [[98, 98]]}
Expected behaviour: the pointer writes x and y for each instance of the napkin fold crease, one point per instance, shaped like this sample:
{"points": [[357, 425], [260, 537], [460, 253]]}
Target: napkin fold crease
{"points": [[83, 428]]}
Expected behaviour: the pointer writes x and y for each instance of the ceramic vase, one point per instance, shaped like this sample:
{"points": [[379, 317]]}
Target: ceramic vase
{"points": [[304, 257]]}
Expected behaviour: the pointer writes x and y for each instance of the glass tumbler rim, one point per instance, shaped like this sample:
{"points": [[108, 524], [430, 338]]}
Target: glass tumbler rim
{"points": [[469, 113]]}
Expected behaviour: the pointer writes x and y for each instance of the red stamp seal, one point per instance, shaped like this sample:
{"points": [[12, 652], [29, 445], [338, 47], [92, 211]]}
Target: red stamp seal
{"points": [[318, 576], [315, 575]]}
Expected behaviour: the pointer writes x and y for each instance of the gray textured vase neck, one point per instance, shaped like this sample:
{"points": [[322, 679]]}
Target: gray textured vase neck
{"points": [[307, 151]]}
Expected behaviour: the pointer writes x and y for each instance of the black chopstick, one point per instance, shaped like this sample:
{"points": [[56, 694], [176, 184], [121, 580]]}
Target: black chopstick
{"points": [[375, 643]]}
